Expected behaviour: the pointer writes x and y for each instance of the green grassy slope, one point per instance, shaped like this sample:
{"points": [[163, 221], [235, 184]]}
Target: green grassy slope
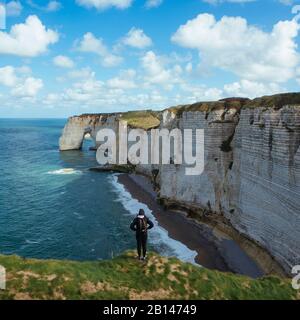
{"points": [[141, 119], [126, 278]]}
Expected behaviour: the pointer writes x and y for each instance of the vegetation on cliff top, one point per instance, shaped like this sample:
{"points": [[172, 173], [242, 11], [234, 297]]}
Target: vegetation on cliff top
{"points": [[149, 119], [146, 119], [141, 119], [126, 278], [231, 103], [276, 101]]}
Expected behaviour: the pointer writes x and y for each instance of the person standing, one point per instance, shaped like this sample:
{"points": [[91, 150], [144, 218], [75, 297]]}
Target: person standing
{"points": [[141, 224]]}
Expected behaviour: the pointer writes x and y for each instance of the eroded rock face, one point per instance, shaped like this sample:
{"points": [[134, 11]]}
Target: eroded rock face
{"points": [[76, 128], [252, 166], [73, 134], [262, 192], [254, 180]]}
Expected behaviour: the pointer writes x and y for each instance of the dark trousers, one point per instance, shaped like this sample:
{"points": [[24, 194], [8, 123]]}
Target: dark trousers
{"points": [[141, 241]]}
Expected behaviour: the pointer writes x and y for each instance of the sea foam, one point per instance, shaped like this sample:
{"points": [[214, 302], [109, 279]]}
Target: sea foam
{"points": [[67, 171], [159, 238]]}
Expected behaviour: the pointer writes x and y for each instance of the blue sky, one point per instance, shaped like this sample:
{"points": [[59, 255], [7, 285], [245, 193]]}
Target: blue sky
{"points": [[60, 58]]}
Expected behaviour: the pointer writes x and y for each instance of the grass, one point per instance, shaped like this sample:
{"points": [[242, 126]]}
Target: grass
{"points": [[126, 278], [276, 101], [149, 119], [141, 119], [232, 103]]}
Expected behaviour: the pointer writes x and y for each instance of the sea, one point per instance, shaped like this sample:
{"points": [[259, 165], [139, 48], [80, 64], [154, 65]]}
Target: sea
{"points": [[53, 207]]}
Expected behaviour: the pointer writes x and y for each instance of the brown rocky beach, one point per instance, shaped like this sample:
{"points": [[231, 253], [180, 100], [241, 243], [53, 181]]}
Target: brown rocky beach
{"points": [[215, 250]]}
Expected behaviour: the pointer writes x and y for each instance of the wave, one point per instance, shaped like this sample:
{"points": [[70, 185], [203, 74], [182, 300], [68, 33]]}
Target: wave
{"points": [[31, 242], [67, 171], [160, 238], [78, 215]]}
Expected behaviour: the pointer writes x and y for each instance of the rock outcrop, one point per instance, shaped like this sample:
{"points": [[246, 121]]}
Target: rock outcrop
{"points": [[252, 166], [77, 127]]}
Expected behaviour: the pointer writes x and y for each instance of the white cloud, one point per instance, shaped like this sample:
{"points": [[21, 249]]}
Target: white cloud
{"points": [[81, 73], [85, 90], [8, 76], [194, 93], [242, 88], [91, 44], [155, 70], [111, 60], [18, 79], [94, 94], [157, 73], [249, 52], [119, 92], [28, 39], [13, 8], [63, 62], [24, 70], [189, 67], [159, 83], [295, 10], [91, 90], [153, 3], [52, 99], [52, 6], [137, 38], [29, 88], [250, 89], [125, 81], [105, 4]]}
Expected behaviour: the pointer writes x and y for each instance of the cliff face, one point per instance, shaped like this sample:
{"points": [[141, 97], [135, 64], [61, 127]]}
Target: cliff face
{"points": [[252, 166], [263, 187]]}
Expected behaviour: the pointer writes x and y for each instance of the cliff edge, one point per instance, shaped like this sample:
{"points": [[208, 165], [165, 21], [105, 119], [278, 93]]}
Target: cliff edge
{"points": [[251, 180], [126, 278]]}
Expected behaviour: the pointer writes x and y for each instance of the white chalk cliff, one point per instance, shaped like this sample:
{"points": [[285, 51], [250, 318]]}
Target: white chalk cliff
{"points": [[252, 166]]}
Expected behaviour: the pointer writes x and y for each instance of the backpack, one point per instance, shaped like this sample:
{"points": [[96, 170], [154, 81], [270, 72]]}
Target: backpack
{"points": [[142, 224]]}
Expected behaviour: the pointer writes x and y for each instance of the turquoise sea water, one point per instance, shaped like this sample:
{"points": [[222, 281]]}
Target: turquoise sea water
{"points": [[46, 213]]}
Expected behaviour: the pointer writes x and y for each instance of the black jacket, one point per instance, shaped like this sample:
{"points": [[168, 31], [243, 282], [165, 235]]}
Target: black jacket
{"points": [[141, 226]]}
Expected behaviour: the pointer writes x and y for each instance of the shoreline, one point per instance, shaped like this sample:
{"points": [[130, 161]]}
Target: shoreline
{"points": [[214, 250]]}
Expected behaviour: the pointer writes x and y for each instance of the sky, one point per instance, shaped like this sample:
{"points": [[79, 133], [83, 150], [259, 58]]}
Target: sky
{"points": [[64, 58]]}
